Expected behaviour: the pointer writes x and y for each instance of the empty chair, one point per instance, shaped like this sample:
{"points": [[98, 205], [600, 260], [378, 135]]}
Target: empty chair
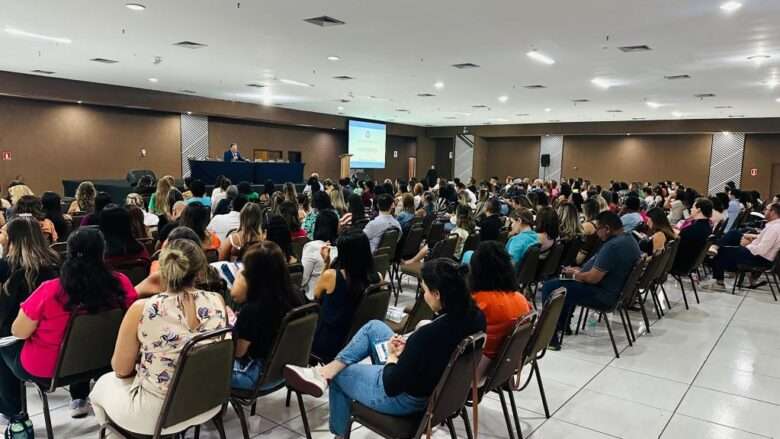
{"points": [[435, 234], [297, 246], [549, 266], [693, 268], [382, 262], [526, 272], [373, 306]]}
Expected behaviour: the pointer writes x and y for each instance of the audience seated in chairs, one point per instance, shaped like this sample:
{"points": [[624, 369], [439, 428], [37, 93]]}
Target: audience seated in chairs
{"points": [[631, 218], [264, 291], [85, 284], [601, 279], [224, 205], [464, 227], [159, 203], [289, 211], [737, 248], [491, 224], [277, 231], [149, 219], [51, 206], [85, 199], [30, 206], [494, 289], [247, 232], [570, 227], [340, 288], [385, 220], [222, 224], [590, 240], [196, 217], [406, 215], [198, 194], [325, 234], [694, 237], [356, 212], [28, 262], [660, 231], [219, 193], [547, 227], [320, 201], [402, 384], [121, 246], [102, 199], [152, 334]]}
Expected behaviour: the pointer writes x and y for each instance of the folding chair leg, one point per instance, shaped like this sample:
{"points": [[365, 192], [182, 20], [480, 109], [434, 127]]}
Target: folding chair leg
{"points": [[287, 401], [506, 413], [348, 433], [541, 388], [46, 414], [771, 287], [219, 424], [682, 289], [304, 418], [666, 297], [695, 291], [102, 433], [612, 337], [579, 322], [196, 433], [514, 412], [644, 317], [630, 325], [737, 280], [451, 428], [466, 423], [625, 327], [241, 417], [254, 409]]}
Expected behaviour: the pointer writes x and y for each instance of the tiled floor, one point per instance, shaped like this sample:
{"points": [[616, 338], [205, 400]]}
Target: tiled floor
{"points": [[710, 372]]}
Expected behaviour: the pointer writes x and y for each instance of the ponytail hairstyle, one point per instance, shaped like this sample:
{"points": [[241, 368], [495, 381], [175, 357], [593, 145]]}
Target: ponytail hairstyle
{"points": [[448, 278], [86, 280], [181, 262]]}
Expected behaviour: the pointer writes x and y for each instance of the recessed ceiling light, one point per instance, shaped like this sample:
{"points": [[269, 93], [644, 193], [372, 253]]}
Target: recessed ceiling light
{"points": [[731, 6], [601, 82], [334, 58], [21, 33], [79, 102], [503, 99], [772, 83], [135, 6], [189, 112], [153, 80], [542, 58], [777, 100], [726, 133], [438, 84], [677, 114], [294, 82], [340, 108], [652, 104], [548, 110], [628, 134]]}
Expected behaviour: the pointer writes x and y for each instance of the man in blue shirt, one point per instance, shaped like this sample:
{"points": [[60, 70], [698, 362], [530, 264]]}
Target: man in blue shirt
{"points": [[384, 221], [198, 189], [631, 218], [600, 280]]}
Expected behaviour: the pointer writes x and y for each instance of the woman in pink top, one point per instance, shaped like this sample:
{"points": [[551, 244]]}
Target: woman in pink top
{"points": [[85, 285]]}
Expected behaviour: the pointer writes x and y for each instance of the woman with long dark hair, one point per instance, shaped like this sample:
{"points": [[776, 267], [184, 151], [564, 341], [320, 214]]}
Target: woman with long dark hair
{"points": [[121, 245], [320, 200], [340, 288], [51, 204], [661, 231], [30, 206], [356, 212], [277, 231], [402, 384], [85, 285], [289, 211], [196, 216], [264, 290], [249, 232]]}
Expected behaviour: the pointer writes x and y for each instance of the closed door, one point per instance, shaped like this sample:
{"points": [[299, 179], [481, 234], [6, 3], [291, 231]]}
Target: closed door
{"points": [[775, 187]]}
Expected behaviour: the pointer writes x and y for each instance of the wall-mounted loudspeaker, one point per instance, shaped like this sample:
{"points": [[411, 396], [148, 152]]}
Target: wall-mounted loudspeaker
{"points": [[545, 160]]}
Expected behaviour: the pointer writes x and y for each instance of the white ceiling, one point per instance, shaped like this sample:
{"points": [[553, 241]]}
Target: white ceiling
{"points": [[397, 49]]}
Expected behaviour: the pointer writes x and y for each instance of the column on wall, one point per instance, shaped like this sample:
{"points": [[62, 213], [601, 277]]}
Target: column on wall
{"points": [[194, 140], [552, 145], [464, 157], [728, 151]]}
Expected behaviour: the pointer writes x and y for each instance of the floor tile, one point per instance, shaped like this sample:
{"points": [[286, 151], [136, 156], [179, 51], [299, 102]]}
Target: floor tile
{"points": [[555, 429], [684, 427], [748, 384], [638, 387], [732, 411]]}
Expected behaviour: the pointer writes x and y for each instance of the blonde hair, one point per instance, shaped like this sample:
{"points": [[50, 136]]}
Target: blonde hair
{"points": [[134, 199], [181, 262], [85, 196], [337, 199], [164, 186]]}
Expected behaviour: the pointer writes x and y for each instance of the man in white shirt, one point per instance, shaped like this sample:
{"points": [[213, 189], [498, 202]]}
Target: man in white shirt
{"points": [[472, 198], [384, 221], [222, 224], [753, 250], [314, 177]]}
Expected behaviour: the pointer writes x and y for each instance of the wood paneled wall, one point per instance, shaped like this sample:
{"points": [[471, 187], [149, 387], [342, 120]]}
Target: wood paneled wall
{"points": [[762, 151], [51, 141], [515, 156]]}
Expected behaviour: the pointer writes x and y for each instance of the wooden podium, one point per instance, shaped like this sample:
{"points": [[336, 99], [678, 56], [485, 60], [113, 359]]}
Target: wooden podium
{"points": [[345, 161]]}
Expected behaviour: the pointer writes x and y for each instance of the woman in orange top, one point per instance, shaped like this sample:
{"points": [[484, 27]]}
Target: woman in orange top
{"points": [[494, 288], [196, 217]]}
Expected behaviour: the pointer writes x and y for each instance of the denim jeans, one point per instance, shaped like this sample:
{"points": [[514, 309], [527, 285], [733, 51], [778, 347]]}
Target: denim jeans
{"points": [[731, 254], [577, 293], [12, 374], [363, 382], [246, 375]]}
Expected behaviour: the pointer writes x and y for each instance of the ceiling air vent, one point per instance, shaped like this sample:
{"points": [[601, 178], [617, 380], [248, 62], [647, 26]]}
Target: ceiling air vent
{"points": [[425, 95], [343, 77], [676, 77], [614, 111], [402, 110], [580, 101], [43, 72], [736, 115], [534, 86], [104, 60], [554, 120], [631, 49], [465, 65], [723, 107], [190, 45], [450, 117], [637, 118], [189, 92], [255, 85], [479, 106], [324, 21], [521, 114], [704, 95]]}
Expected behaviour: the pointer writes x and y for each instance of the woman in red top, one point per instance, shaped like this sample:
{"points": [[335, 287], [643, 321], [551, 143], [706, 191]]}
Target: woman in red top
{"points": [[494, 288]]}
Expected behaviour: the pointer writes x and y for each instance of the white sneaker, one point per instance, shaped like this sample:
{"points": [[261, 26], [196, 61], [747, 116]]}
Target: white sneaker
{"points": [[4, 421], [306, 380], [79, 408]]}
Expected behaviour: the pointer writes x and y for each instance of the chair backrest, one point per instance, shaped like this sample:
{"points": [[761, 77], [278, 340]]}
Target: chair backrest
{"points": [[411, 242], [436, 233], [503, 236], [472, 242], [552, 263], [87, 347], [389, 239], [420, 311], [510, 356], [445, 248], [189, 394], [148, 243], [297, 246], [61, 248], [546, 325], [136, 270], [702, 255], [671, 247], [373, 306], [571, 250], [382, 262], [629, 290], [76, 221], [526, 270], [450, 394], [212, 255], [292, 344], [296, 275], [653, 267]]}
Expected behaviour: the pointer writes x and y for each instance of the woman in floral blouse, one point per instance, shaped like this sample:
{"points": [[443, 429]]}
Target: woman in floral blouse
{"points": [[151, 337]]}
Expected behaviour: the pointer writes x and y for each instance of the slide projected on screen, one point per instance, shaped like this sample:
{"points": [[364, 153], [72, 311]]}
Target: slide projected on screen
{"points": [[367, 144]]}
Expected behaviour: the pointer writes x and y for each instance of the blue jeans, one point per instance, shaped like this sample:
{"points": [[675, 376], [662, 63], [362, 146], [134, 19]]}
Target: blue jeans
{"points": [[577, 293], [363, 382], [246, 375]]}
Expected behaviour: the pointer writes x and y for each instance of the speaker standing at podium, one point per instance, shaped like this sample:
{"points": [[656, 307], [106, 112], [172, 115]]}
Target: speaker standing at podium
{"points": [[232, 154]]}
